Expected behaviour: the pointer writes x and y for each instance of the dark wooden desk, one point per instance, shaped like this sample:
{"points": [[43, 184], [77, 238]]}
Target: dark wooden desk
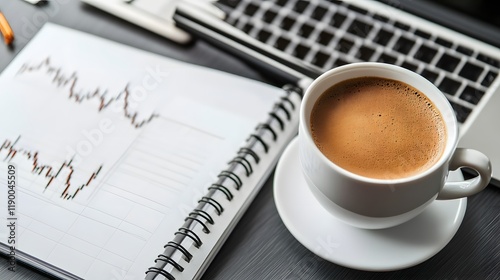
{"points": [[261, 247]]}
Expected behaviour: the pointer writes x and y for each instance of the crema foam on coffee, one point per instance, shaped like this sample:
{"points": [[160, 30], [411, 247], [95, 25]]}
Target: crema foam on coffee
{"points": [[378, 128]]}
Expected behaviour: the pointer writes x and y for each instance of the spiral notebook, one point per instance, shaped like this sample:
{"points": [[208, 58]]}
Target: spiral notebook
{"points": [[127, 164]]}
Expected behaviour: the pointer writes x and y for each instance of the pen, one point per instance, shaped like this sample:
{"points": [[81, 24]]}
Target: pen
{"points": [[6, 30]]}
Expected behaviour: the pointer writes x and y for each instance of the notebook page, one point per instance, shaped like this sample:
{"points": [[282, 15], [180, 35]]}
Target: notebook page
{"points": [[113, 147]]}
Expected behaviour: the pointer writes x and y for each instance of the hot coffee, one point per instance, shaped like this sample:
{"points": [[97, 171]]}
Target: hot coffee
{"points": [[378, 128]]}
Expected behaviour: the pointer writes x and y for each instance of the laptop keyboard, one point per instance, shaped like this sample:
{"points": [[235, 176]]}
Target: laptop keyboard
{"points": [[324, 34]]}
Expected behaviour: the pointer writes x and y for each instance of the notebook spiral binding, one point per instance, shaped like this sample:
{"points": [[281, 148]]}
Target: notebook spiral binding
{"points": [[202, 217]]}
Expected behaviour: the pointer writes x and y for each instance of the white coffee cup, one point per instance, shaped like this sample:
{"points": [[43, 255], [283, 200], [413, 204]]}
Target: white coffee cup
{"points": [[379, 203]]}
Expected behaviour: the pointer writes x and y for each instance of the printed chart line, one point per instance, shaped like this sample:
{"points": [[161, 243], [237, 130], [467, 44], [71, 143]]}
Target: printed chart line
{"points": [[50, 172], [60, 79]]}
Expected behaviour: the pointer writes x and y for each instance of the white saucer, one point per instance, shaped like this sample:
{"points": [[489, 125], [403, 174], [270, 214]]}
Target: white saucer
{"points": [[374, 250]]}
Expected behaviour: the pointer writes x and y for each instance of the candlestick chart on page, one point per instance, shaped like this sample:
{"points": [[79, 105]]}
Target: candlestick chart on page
{"points": [[60, 111], [93, 163]]}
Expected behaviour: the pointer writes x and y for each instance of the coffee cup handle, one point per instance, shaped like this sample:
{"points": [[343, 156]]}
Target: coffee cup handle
{"points": [[471, 159]]}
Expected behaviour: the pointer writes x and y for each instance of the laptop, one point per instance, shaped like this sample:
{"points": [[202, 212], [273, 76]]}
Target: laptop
{"points": [[454, 44]]}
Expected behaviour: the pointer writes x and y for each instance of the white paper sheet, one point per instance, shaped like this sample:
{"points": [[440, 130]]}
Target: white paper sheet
{"points": [[126, 182]]}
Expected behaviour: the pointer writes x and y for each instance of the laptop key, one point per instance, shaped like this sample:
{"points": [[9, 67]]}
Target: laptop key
{"points": [[489, 78], [402, 26], [365, 53], [325, 37], [443, 42], [251, 9], [337, 20], [425, 53], [287, 23], [472, 95], [404, 45], [430, 75], [460, 111], [340, 62], [247, 28], [320, 58], [281, 43], [318, 13], [344, 45], [489, 60], [263, 35], [300, 6], [449, 85], [387, 58], [229, 3], [306, 30], [359, 28], [383, 37], [448, 62], [465, 50], [269, 16], [281, 2], [471, 71], [380, 18], [357, 9], [410, 66], [422, 34], [301, 51]]}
